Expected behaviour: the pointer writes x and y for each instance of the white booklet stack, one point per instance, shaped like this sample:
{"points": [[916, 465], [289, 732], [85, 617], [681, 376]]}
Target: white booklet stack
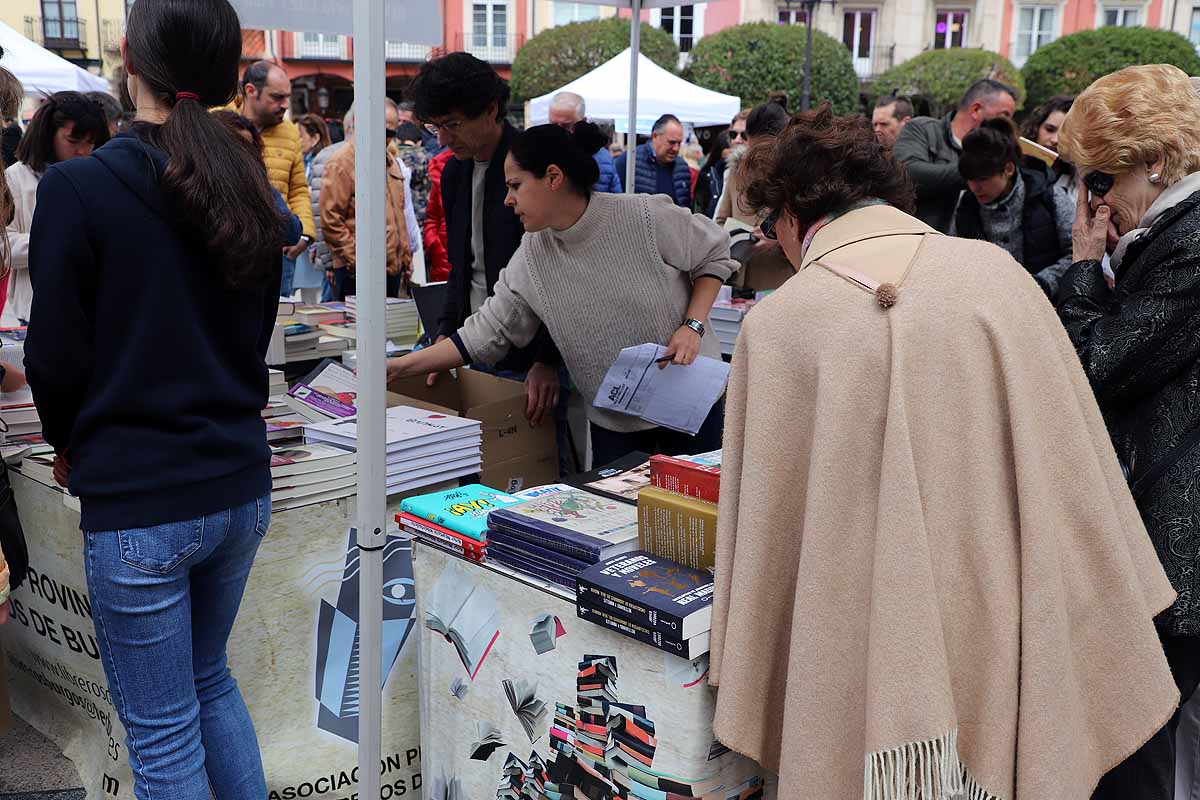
{"points": [[304, 474], [423, 447]]}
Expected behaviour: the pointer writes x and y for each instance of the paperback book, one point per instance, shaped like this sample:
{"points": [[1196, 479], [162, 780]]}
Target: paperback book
{"points": [[646, 590], [677, 528], [578, 523], [463, 510], [445, 538], [684, 648], [620, 480], [694, 476]]}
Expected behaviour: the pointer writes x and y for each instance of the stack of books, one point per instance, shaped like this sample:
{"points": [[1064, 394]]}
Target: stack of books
{"points": [[320, 314], [276, 383], [657, 602], [38, 463], [303, 338], [303, 475], [423, 447], [403, 323], [677, 513], [328, 392], [455, 519], [560, 533], [19, 415], [725, 319], [620, 480]]}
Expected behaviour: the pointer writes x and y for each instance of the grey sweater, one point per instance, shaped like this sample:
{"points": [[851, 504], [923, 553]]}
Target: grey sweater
{"points": [[621, 276]]}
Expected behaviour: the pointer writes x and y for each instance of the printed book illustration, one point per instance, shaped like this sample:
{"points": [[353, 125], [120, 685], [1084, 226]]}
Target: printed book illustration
{"points": [[604, 749], [337, 659], [661, 595], [522, 697], [624, 485], [328, 392], [466, 614], [545, 633], [487, 741], [463, 510], [459, 688]]}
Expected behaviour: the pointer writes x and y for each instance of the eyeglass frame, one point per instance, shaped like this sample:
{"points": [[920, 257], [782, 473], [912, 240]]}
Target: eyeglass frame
{"points": [[767, 226], [738, 135], [1099, 183], [450, 127]]}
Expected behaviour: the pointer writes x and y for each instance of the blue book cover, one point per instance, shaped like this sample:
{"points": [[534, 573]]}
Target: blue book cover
{"points": [[560, 561], [463, 510], [516, 561], [650, 592], [575, 522]]}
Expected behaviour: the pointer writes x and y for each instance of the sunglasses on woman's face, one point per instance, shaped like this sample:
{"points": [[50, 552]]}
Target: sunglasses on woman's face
{"points": [[768, 226], [1099, 183]]}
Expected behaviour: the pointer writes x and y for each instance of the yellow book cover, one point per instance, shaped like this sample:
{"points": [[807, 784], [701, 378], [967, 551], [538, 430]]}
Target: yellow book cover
{"points": [[677, 527]]}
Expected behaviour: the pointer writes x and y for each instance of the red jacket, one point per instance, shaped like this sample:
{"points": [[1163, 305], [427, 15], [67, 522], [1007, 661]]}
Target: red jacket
{"points": [[437, 261]]}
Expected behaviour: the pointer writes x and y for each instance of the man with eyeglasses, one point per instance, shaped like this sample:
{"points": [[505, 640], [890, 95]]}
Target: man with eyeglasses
{"points": [[463, 101], [566, 110], [266, 95]]}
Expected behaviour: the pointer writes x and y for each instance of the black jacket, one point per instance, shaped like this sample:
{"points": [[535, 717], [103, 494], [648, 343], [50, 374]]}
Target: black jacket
{"points": [[10, 139], [502, 232], [926, 148], [147, 370], [1140, 348], [1038, 227], [708, 189]]}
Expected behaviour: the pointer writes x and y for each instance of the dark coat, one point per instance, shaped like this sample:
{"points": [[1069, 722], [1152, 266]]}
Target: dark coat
{"points": [[1140, 348], [1038, 226], [708, 189], [502, 232], [926, 148], [646, 175]]}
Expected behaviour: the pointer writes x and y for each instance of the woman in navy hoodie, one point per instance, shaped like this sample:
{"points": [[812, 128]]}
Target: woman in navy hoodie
{"points": [[155, 265]]}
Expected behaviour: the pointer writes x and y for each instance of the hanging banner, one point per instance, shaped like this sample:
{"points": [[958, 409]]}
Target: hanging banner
{"points": [[293, 652], [408, 21]]}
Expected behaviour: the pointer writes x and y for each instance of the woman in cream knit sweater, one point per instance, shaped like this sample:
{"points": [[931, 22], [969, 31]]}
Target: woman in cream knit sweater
{"points": [[603, 272]]}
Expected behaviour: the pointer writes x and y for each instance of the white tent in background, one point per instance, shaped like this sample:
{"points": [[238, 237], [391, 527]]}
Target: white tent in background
{"points": [[42, 72], [605, 90]]}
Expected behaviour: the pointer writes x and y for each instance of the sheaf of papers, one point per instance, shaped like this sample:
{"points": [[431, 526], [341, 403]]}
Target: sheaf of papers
{"points": [[675, 397]]}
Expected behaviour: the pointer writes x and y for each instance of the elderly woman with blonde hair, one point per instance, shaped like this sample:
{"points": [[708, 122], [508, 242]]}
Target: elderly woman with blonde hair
{"points": [[1134, 137]]}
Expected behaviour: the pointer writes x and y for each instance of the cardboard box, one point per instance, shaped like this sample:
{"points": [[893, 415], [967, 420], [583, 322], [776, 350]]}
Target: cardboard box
{"points": [[515, 456]]}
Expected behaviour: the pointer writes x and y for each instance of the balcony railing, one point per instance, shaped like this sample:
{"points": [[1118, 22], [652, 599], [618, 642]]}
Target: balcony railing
{"points": [[334, 48], [882, 59], [57, 34], [491, 47], [406, 51], [111, 31]]}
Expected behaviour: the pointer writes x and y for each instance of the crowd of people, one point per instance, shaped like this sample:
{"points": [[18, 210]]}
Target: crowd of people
{"points": [[959, 544]]}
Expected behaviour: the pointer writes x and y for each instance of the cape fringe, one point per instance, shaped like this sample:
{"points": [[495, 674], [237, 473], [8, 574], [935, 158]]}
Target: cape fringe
{"points": [[928, 770]]}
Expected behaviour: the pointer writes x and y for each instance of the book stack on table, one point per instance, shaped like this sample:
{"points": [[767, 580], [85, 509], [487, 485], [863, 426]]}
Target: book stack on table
{"points": [[276, 383], [303, 475], [560, 533], [423, 447], [327, 392], [455, 519], [19, 415], [726, 321], [650, 599], [303, 339], [677, 513], [403, 323]]}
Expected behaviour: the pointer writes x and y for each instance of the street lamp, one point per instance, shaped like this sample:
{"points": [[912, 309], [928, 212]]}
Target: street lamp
{"points": [[810, 11]]}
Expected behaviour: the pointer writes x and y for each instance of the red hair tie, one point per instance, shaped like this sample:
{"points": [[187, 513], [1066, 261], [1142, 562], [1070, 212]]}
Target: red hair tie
{"points": [[187, 96]]}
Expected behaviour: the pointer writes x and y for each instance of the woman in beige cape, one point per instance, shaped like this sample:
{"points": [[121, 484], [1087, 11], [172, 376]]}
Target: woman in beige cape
{"points": [[931, 579]]}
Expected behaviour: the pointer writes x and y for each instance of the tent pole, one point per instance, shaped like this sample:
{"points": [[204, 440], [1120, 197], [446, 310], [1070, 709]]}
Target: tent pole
{"points": [[369, 187], [635, 44]]}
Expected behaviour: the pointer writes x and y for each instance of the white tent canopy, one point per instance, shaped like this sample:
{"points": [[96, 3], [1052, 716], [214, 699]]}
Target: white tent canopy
{"points": [[42, 72], [605, 91]]}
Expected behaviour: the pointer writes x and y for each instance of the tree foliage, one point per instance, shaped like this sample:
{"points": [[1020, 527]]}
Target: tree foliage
{"points": [[754, 59], [559, 55], [1070, 64], [942, 76]]}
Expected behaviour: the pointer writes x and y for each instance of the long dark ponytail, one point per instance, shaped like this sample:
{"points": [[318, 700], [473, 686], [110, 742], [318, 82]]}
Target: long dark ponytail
{"points": [[187, 53]]}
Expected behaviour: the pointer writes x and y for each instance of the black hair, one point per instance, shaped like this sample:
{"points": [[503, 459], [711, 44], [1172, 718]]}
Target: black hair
{"points": [[720, 145], [36, 149], [214, 182], [988, 149], [663, 121], [457, 82], [237, 123], [984, 88], [108, 104], [904, 107], [535, 149], [1033, 122], [767, 119], [256, 75]]}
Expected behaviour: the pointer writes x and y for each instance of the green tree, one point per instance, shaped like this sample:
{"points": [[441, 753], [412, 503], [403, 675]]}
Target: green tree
{"points": [[755, 59], [1070, 64], [559, 55], [942, 76]]}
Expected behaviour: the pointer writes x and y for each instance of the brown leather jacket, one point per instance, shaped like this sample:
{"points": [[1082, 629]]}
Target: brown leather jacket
{"points": [[337, 214]]}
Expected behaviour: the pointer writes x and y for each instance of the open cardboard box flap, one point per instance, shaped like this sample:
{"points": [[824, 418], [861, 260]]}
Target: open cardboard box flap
{"points": [[513, 452]]}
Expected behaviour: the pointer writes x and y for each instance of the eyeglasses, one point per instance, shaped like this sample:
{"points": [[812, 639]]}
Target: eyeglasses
{"points": [[767, 226], [737, 135], [448, 127], [1099, 183]]}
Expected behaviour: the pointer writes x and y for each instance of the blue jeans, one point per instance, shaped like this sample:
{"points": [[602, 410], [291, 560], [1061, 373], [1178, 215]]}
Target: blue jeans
{"points": [[289, 273], [164, 600]]}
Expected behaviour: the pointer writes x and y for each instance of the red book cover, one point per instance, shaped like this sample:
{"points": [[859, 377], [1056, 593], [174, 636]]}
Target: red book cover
{"points": [[471, 548], [685, 477]]}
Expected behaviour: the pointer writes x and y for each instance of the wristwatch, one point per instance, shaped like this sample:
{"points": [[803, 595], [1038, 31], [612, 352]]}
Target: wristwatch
{"points": [[695, 325], [306, 238]]}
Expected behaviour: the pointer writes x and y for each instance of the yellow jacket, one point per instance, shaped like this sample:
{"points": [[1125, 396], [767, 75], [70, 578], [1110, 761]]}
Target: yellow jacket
{"points": [[285, 167]]}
